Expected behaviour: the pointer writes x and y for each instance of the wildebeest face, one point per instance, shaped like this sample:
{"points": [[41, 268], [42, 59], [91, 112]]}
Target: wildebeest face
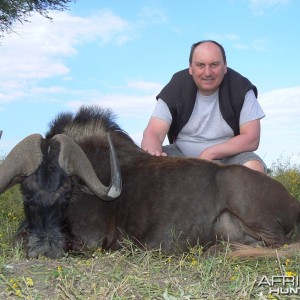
{"points": [[47, 170], [46, 199]]}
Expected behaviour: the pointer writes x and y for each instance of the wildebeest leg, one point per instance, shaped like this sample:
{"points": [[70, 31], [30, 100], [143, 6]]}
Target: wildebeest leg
{"points": [[262, 205], [20, 238], [113, 240], [229, 228]]}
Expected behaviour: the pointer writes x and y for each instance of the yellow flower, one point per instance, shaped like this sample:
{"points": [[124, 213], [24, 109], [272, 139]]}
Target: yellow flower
{"points": [[289, 273], [18, 293], [233, 278], [29, 281], [287, 262], [15, 285], [194, 262]]}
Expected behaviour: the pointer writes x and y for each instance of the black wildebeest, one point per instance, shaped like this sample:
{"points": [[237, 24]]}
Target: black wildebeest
{"points": [[88, 184]]}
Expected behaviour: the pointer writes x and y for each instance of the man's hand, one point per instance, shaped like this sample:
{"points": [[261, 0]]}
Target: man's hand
{"points": [[247, 140], [155, 152], [154, 135], [208, 154]]}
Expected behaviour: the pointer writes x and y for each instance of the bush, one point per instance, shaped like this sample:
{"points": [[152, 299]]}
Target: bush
{"points": [[11, 214], [288, 174]]}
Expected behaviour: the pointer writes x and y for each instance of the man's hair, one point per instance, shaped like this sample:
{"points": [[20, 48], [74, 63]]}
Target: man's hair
{"points": [[205, 41]]}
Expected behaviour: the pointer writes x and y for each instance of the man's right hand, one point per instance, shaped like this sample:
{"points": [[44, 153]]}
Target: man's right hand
{"points": [[155, 152]]}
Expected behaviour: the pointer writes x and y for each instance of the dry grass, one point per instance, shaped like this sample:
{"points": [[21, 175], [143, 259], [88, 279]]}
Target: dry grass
{"points": [[136, 274]]}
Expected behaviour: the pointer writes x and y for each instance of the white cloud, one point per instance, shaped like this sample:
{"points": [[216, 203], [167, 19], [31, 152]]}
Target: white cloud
{"points": [[237, 43], [283, 103], [37, 51], [124, 105], [145, 86], [240, 46], [281, 126], [259, 44], [260, 7], [222, 37], [152, 16], [132, 111], [256, 44]]}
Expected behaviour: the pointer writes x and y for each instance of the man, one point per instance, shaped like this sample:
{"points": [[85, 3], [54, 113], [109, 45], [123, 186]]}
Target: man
{"points": [[208, 111]]}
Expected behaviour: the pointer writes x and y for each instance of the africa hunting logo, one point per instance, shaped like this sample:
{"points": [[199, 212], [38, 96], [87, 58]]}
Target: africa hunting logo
{"points": [[281, 284]]}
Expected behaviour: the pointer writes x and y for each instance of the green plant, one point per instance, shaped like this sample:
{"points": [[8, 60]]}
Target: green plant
{"points": [[288, 174]]}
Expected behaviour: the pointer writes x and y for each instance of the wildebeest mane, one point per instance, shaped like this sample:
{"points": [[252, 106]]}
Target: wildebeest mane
{"points": [[89, 121]]}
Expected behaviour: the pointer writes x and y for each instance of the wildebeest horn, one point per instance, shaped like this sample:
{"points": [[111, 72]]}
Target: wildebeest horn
{"points": [[22, 160], [73, 161]]}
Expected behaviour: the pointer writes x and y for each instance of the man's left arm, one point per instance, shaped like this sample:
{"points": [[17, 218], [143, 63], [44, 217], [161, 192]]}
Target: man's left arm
{"points": [[247, 140]]}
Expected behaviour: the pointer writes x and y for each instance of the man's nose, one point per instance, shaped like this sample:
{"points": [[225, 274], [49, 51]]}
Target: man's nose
{"points": [[207, 70]]}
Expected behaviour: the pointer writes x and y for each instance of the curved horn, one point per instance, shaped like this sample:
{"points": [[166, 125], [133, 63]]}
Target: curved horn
{"points": [[22, 160], [74, 161]]}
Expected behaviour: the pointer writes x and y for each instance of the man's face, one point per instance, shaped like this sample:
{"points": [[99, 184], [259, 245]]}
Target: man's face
{"points": [[207, 68]]}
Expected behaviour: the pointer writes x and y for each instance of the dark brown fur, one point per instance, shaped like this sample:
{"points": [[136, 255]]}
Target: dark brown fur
{"points": [[167, 203]]}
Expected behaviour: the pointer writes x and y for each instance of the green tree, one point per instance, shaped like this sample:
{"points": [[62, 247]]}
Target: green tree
{"points": [[13, 11]]}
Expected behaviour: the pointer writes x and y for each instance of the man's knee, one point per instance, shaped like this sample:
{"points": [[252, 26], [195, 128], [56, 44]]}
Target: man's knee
{"points": [[255, 165]]}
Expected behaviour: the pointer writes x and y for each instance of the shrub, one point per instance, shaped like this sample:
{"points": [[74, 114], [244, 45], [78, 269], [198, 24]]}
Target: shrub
{"points": [[288, 174]]}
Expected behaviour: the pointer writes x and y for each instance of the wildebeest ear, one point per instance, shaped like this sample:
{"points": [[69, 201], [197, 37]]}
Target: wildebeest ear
{"points": [[16, 180]]}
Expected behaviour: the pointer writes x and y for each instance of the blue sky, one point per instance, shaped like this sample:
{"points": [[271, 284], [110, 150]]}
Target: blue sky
{"points": [[119, 54]]}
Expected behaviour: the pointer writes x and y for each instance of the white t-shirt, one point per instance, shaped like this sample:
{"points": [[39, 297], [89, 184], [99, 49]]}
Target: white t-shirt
{"points": [[206, 126]]}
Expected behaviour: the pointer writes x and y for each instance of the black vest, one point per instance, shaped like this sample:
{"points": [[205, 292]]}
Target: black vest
{"points": [[180, 96]]}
